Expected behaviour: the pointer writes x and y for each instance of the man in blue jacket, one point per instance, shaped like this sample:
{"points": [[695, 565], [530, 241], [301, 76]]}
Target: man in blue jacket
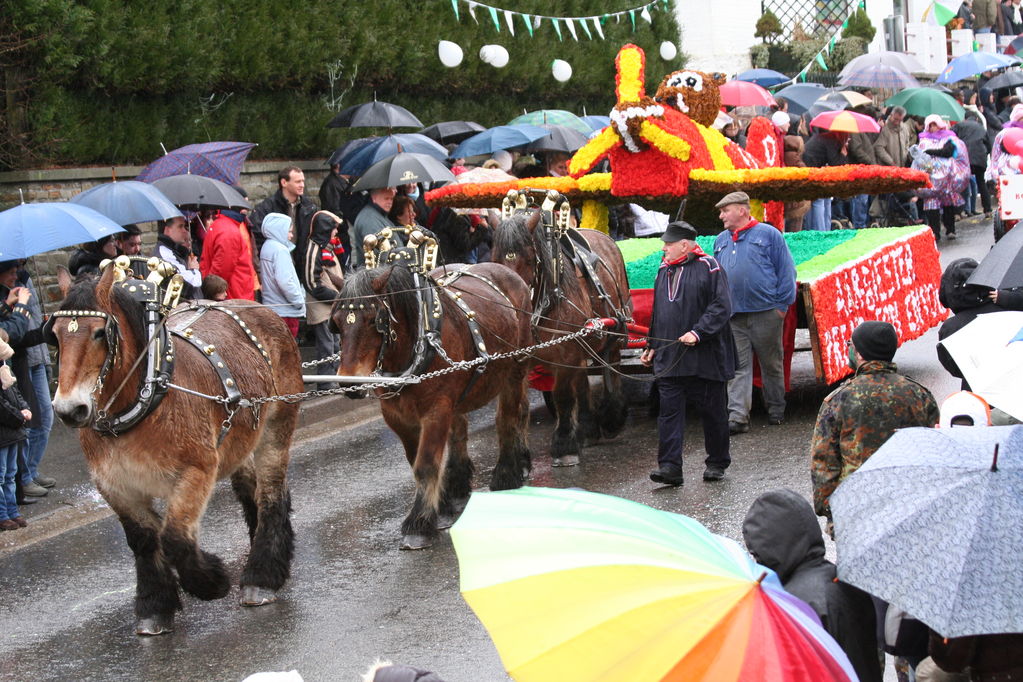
{"points": [[691, 350], [762, 283]]}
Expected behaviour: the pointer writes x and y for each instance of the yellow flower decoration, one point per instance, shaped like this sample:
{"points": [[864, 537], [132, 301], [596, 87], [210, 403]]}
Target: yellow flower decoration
{"points": [[667, 143]]}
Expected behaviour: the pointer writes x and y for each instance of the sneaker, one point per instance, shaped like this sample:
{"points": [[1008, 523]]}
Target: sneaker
{"points": [[26, 500], [20, 520], [9, 524], [737, 427], [712, 473], [33, 489], [667, 475], [45, 481]]}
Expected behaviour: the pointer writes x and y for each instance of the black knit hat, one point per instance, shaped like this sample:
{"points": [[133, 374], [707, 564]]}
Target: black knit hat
{"points": [[875, 340]]}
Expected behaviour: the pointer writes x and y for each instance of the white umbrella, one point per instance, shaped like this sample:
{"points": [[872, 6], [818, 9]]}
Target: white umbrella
{"points": [[990, 357]]}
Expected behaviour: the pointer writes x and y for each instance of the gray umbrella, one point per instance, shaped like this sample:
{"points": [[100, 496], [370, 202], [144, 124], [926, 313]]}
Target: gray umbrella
{"points": [[128, 201], [560, 139], [403, 168], [1008, 79], [931, 523], [1002, 267], [196, 192]]}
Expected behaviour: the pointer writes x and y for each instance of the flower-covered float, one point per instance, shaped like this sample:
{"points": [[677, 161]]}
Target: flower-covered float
{"points": [[844, 277], [662, 150]]}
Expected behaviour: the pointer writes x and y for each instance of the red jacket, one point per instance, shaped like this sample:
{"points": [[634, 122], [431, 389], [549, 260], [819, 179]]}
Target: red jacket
{"points": [[226, 253]]}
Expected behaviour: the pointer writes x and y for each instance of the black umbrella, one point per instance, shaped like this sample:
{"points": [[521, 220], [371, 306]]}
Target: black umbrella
{"points": [[1002, 267], [1008, 79], [375, 115], [404, 168], [832, 101], [939, 87], [196, 192], [452, 131], [560, 139]]}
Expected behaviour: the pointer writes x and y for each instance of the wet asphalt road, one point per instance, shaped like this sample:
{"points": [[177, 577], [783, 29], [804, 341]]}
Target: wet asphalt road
{"points": [[68, 580]]}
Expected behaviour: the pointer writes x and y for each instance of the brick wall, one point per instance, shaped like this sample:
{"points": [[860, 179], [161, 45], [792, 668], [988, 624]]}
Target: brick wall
{"points": [[258, 178]]}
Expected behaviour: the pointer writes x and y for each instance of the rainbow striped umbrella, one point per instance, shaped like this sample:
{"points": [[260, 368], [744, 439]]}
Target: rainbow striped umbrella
{"points": [[579, 586], [845, 122]]}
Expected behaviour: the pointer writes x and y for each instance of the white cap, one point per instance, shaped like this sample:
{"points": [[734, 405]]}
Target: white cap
{"points": [[504, 160], [934, 118], [964, 404], [721, 121], [781, 120]]}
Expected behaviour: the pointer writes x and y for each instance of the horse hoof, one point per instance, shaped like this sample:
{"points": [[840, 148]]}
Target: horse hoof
{"points": [[415, 541], [566, 461], [445, 521], [253, 595], [155, 625]]}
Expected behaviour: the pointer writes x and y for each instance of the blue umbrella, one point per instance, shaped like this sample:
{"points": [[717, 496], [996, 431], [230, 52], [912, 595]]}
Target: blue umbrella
{"points": [[128, 201], [597, 122], [930, 523], [28, 229], [801, 96], [218, 160], [497, 138], [358, 161], [765, 78], [347, 149], [972, 63]]}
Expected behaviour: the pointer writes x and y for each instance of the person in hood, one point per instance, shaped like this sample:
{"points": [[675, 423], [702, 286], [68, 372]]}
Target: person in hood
{"points": [[227, 253], [322, 278], [692, 352], [282, 290], [86, 258], [782, 533]]}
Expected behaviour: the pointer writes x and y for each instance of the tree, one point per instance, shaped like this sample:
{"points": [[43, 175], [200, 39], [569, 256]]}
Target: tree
{"points": [[768, 27], [859, 26]]}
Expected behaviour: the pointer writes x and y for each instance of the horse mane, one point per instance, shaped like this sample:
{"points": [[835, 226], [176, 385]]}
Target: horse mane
{"points": [[82, 296], [399, 291], [512, 236]]}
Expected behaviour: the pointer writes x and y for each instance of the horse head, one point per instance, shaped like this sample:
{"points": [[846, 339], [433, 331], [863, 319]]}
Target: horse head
{"points": [[516, 244], [96, 335], [375, 316]]}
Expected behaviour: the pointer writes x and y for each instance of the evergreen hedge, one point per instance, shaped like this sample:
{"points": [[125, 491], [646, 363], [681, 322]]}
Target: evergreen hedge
{"points": [[105, 81]]}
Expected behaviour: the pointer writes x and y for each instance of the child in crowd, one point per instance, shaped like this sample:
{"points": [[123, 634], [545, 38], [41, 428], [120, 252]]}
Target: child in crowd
{"points": [[214, 288], [14, 414]]}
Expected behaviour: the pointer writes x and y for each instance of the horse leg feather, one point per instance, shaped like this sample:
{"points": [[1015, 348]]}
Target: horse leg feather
{"points": [[243, 482], [420, 527], [514, 461], [458, 473], [200, 573]]}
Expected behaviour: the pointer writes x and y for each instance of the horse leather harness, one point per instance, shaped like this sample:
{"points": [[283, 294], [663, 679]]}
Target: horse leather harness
{"points": [[158, 294]]}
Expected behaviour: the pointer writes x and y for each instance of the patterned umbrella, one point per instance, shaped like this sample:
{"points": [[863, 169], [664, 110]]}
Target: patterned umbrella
{"points": [[898, 60], [218, 160], [879, 76], [745, 94], [845, 122], [972, 63], [931, 523], [574, 585], [1015, 46], [556, 117]]}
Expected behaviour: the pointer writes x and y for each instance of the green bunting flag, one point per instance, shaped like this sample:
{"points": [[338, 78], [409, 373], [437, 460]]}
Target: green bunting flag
{"points": [[557, 28], [632, 18], [493, 15], [820, 60], [586, 29], [529, 23], [533, 21], [454, 6]]}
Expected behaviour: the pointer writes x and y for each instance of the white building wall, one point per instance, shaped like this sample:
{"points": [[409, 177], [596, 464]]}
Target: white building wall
{"points": [[717, 34], [877, 10]]}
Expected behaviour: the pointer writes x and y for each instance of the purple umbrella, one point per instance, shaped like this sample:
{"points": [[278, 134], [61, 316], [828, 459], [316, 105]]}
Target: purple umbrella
{"points": [[218, 160]]}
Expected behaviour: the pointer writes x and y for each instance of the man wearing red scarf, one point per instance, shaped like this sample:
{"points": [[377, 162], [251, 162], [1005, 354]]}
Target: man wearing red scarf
{"points": [[691, 350]]}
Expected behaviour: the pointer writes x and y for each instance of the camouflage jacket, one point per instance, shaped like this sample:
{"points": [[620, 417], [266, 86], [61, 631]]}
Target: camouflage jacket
{"points": [[857, 418]]}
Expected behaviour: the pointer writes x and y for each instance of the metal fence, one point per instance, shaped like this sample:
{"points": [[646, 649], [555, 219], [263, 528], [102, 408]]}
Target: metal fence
{"points": [[816, 17]]}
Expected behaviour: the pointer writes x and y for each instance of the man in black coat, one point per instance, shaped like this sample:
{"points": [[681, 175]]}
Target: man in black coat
{"points": [[971, 131], [289, 199], [692, 353], [782, 533]]}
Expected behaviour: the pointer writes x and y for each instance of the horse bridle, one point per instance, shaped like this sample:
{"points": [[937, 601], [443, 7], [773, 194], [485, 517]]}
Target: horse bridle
{"points": [[111, 335]]}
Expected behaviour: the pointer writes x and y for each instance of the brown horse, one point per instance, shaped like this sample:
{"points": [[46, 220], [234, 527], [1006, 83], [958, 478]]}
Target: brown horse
{"points": [[378, 315], [563, 300], [179, 450]]}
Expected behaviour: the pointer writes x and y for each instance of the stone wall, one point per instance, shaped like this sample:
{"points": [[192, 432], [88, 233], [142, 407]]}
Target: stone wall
{"points": [[259, 178]]}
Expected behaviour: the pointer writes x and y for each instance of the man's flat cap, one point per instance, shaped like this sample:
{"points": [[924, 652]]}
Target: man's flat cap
{"points": [[733, 198]]}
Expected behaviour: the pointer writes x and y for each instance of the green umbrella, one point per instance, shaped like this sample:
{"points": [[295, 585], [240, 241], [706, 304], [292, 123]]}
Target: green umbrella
{"points": [[557, 117], [926, 101]]}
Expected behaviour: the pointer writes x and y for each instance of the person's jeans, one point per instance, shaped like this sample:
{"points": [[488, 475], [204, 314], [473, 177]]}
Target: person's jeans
{"points": [[758, 333], [38, 436], [327, 344], [970, 195], [710, 400], [859, 205], [819, 217], [8, 473]]}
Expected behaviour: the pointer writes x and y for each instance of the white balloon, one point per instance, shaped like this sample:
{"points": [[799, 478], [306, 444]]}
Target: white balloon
{"points": [[561, 69], [495, 55], [668, 51], [450, 53]]}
